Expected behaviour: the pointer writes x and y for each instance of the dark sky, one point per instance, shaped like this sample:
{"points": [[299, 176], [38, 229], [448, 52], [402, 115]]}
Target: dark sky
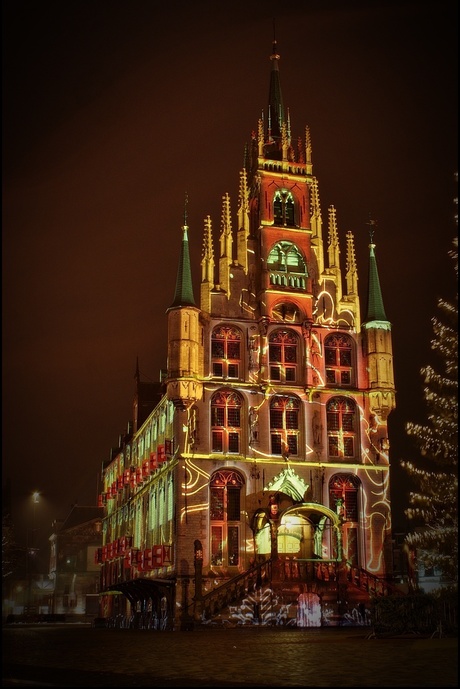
{"points": [[112, 111]]}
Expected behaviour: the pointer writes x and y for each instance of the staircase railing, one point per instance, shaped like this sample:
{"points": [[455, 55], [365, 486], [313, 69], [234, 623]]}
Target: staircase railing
{"points": [[209, 604], [326, 574], [374, 585]]}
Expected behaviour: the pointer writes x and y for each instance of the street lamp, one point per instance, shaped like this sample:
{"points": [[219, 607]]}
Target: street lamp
{"points": [[31, 550]]}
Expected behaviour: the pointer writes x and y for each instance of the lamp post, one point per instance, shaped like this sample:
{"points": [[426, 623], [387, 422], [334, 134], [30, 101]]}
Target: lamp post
{"points": [[31, 550]]}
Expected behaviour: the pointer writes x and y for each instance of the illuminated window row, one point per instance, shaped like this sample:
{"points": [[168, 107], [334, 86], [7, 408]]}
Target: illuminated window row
{"points": [[227, 415], [284, 357]]}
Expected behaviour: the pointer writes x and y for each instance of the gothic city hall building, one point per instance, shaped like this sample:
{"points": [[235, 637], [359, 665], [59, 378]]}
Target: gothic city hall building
{"points": [[252, 486]]}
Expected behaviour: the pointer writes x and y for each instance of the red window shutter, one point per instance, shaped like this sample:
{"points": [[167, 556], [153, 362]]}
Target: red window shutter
{"points": [[157, 556]]}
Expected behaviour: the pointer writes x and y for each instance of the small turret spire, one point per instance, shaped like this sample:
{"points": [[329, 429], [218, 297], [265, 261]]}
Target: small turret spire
{"points": [[375, 310], [184, 288]]}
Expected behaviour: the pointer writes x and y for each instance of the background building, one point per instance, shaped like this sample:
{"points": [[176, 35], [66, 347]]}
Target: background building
{"points": [[254, 487], [72, 564]]}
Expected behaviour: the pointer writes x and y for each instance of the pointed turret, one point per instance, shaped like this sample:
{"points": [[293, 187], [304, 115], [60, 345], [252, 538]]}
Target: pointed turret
{"points": [[184, 334], [374, 310], [184, 288], [378, 344]]}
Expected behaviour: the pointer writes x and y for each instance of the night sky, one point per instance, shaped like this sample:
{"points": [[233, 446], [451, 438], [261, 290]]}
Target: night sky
{"points": [[114, 111]]}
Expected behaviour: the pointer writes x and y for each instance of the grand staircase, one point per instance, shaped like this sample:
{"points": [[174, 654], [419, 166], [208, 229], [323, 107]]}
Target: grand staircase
{"points": [[288, 592]]}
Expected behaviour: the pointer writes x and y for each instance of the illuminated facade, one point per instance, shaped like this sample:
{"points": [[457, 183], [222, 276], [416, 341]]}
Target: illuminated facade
{"points": [[256, 489]]}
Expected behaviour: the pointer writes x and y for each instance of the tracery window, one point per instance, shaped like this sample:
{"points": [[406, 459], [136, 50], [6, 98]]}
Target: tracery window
{"points": [[343, 496], [287, 266], [341, 427], [283, 208], [282, 356], [225, 422], [284, 425], [225, 516], [338, 359], [343, 499], [226, 352]]}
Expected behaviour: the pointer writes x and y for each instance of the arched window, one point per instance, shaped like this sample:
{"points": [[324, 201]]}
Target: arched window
{"points": [[284, 208], [341, 427], [282, 356], [226, 352], [338, 358], [285, 257], [225, 516], [343, 499], [225, 422], [287, 266], [343, 496], [284, 425]]}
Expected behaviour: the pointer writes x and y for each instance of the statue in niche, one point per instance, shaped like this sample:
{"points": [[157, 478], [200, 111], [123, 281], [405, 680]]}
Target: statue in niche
{"points": [[264, 323], [253, 352], [317, 428], [253, 425], [315, 351]]}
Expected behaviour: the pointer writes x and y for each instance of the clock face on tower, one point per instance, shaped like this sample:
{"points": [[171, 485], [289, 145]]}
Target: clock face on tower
{"points": [[286, 312]]}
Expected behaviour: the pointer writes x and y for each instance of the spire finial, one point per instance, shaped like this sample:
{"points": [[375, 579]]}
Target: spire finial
{"points": [[185, 209], [274, 55], [372, 226]]}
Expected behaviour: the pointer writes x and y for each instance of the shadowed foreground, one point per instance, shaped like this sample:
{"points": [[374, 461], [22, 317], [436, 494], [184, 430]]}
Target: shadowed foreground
{"points": [[79, 655]]}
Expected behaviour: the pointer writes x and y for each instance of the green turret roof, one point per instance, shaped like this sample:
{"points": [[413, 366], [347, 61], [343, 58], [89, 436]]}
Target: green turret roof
{"points": [[375, 310], [184, 288]]}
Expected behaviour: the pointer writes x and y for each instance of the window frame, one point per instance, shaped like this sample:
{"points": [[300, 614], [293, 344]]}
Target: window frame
{"points": [[224, 548], [230, 336], [288, 368], [342, 428], [336, 367], [226, 409], [285, 437]]}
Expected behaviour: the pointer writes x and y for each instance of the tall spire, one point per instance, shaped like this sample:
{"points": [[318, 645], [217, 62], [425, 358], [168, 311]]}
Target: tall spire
{"points": [[375, 310], [275, 98], [184, 288]]}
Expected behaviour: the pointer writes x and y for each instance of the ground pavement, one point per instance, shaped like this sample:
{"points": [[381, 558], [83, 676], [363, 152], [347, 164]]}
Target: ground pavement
{"points": [[72, 655]]}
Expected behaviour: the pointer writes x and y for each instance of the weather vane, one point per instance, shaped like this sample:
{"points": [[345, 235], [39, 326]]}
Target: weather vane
{"points": [[185, 209], [372, 226]]}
